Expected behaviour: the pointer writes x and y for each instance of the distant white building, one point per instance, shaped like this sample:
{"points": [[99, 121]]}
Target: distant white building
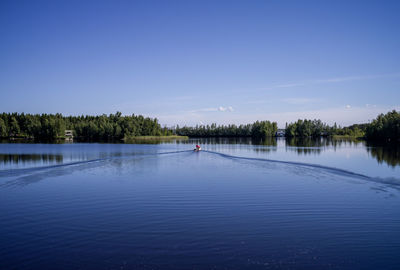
{"points": [[69, 135], [280, 133]]}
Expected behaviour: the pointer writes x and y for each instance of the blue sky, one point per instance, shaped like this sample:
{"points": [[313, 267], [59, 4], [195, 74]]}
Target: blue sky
{"points": [[194, 62]]}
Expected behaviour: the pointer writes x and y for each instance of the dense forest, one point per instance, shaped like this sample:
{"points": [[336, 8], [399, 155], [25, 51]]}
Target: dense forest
{"points": [[386, 127], [259, 129], [263, 129], [89, 128], [315, 128]]}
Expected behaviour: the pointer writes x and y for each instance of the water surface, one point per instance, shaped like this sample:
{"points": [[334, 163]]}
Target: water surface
{"points": [[236, 205]]}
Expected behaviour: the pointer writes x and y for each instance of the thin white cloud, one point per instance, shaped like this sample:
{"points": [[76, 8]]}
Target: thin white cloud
{"points": [[225, 109], [259, 101], [288, 85], [218, 109], [348, 106], [300, 100], [181, 98], [357, 78], [221, 109], [204, 110], [333, 80]]}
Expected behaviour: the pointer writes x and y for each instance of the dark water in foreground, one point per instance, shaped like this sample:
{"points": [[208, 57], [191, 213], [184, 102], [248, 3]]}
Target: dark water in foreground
{"points": [[284, 205]]}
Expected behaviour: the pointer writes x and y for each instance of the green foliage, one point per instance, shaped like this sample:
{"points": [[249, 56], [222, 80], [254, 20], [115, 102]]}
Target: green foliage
{"points": [[3, 129], [263, 129], [385, 127], [14, 126], [259, 129], [307, 128], [88, 128], [315, 128]]}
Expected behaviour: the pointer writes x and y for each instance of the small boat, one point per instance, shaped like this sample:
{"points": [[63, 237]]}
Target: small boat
{"points": [[198, 148]]}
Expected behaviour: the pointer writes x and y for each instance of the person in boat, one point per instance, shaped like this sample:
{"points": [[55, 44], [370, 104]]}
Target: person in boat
{"points": [[198, 148]]}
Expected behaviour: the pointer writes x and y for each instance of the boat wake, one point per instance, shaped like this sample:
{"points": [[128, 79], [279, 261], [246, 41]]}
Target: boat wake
{"points": [[43, 171], [311, 165], [16, 172], [23, 171], [337, 171]]}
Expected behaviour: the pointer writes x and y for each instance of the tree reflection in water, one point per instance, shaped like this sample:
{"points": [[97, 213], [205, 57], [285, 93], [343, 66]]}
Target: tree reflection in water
{"points": [[387, 153], [31, 158], [383, 153]]}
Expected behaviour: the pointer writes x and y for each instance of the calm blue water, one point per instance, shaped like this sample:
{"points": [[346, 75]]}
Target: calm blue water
{"points": [[233, 206]]}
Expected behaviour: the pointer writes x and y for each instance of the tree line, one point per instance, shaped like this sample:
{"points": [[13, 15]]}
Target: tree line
{"points": [[259, 129], [386, 127], [88, 128], [263, 129], [315, 128]]}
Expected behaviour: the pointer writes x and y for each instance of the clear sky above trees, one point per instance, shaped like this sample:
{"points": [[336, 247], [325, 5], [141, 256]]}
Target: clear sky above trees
{"points": [[194, 62]]}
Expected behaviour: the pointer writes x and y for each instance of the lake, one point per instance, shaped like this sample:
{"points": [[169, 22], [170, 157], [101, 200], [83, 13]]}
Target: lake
{"points": [[282, 204]]}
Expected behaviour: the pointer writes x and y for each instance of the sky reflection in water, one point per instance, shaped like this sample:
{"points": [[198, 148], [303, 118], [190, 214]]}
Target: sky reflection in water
{"points": [[105, 206]]}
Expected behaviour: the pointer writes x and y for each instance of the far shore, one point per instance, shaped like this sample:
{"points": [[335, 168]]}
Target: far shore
{"points": [[133, 139]]}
